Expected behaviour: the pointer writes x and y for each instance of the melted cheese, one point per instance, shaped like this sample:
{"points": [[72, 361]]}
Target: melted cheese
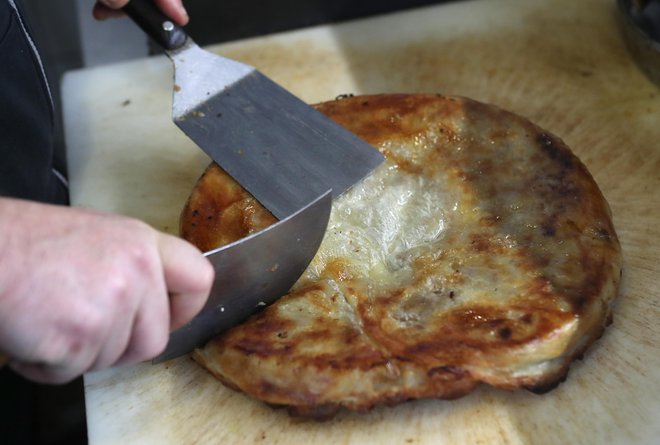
{"points": [[378, 227]]}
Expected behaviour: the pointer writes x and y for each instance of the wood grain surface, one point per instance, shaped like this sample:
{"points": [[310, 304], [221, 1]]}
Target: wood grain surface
{"points": [[562, 64]]}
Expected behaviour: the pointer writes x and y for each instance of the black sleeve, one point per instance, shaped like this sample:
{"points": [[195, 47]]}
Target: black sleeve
{"points": [[26, 116]]}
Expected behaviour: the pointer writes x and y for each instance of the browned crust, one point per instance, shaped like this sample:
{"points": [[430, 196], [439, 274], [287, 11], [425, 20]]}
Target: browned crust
{"points": [[352, 351]]}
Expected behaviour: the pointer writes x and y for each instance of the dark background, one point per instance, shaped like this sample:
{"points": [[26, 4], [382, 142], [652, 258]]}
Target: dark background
{"points": [[231, 20]]}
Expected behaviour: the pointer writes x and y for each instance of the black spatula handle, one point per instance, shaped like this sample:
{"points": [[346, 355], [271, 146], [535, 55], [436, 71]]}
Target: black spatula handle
{"points": [[156, 24]]}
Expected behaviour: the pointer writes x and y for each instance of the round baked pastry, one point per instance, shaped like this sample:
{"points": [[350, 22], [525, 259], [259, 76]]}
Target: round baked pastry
{"points": [[481, 251]]}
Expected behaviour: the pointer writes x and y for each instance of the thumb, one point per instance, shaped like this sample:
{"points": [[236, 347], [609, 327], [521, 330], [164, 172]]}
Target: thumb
{"points": [[188, 277]]}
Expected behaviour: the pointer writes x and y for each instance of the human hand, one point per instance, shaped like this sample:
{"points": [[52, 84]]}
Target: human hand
{"points": [[174, 9], [82, 290]]}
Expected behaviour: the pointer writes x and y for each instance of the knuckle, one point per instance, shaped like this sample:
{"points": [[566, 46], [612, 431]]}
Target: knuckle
{"points": [[118, 287], [135, 264], [73, 339], [141, 259], [133, 248], [141, 255], [86, 329]]}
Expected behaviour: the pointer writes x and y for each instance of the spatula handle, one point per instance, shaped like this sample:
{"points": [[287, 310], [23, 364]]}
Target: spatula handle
{"points": [[157, 26]]}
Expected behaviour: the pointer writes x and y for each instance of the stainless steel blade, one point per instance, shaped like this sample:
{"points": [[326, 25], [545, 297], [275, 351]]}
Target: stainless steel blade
{"points": [[285, 153], [289, 156], [253, 272]]}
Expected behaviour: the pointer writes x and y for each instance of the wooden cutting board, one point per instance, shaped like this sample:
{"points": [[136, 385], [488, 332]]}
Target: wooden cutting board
{"points": [[560, 63]]}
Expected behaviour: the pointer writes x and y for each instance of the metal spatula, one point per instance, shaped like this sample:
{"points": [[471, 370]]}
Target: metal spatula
{"points": [[288, 155], [285, 153], [253, 273]]}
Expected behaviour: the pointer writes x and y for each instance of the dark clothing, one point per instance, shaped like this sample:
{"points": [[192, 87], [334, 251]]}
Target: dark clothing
{"points": [[27, 166], [31, 413]]}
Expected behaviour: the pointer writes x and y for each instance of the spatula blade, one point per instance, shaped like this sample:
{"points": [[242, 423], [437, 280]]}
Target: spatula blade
{"points": [[253, 272], [284, 152]]}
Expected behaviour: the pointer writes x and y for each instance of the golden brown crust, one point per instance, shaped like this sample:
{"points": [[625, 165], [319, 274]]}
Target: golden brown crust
{"points": [[516, 285], [219, 211]]}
